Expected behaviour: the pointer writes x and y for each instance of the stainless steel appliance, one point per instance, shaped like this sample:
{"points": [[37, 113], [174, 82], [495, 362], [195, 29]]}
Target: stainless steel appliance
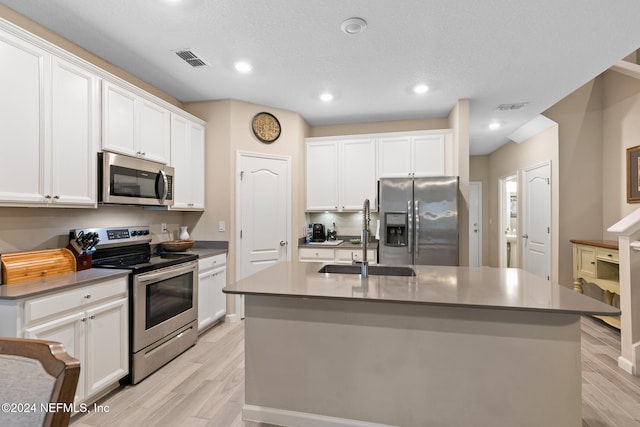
{"points": [[418, 220], [132, 181], [318, 233], [163, 295]]}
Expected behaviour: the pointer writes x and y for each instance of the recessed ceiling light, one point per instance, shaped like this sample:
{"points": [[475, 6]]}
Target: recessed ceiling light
{"points": [[326, 97], [353, 26], [420, 89], [494, 125], [243, 67]]}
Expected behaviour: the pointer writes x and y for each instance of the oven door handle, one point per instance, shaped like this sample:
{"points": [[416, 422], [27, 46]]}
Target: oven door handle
{"points": [[166, 274]]}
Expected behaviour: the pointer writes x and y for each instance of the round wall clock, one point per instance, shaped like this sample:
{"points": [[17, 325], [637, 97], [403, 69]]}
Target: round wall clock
{"points": [[266, 127]]}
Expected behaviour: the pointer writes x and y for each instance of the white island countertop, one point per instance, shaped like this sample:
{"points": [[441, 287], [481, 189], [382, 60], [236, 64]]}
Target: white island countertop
{"points": [[497, 288]]}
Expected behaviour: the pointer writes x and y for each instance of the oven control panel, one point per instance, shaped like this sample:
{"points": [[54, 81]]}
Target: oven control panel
{"points": [[115, 236]]}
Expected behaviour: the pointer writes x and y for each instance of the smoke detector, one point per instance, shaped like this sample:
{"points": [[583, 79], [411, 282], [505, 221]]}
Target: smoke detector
{"points": [[353, 26], [191, 58]]}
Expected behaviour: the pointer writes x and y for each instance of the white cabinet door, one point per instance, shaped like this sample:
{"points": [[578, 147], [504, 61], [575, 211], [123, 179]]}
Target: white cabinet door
{"points": [[75, 132], [133, 125], [154, 143], [107, 345], [119, 124], [196, 137], [322, 176], [205, 289], [394, 157], [24, 80], [357, 173], [218, 298], [428, 155], [187, 158], [212, 303], [70, 331]]}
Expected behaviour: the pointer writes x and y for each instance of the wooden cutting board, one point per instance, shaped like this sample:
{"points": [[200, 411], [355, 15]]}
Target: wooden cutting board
{"points": [[22, 266]]}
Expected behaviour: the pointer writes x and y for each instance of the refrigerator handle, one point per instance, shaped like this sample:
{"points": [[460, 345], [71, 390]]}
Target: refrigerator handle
{"points": [[416, 214], [410, 221]]}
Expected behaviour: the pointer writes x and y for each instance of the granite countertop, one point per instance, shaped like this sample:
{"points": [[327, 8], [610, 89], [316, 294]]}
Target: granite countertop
{"points": [[502, 288], [56, 283]]}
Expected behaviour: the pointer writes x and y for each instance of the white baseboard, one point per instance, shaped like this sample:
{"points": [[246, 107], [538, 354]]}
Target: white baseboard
{"points": [[625, 365], [232, 318], [299, 419], [635, 352]]}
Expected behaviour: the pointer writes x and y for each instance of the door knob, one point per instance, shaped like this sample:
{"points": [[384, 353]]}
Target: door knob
{"points": [[525, 236], [283, 243]]}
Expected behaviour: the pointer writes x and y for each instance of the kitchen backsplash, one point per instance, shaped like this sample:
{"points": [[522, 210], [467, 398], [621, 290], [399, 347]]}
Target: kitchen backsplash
{"points": [[25, 229], [347, 223]]}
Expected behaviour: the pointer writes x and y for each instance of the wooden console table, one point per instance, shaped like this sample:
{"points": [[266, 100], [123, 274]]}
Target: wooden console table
{"points": [[596, 261]]}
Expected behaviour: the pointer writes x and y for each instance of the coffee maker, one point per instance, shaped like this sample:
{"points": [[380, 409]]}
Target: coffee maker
{"points": [[318, 233]]}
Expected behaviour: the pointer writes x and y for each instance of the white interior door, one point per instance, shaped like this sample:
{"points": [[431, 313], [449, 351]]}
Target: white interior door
{"points": [[475, 224], [264, 212], [536, 220]]}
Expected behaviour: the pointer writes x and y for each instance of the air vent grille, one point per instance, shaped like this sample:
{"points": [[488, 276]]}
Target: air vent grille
{"points": [[191, 58], [508, 107]]}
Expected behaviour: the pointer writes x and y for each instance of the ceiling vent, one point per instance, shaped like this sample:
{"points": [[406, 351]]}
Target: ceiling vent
{"points": [[191, 58], [509, 107]]}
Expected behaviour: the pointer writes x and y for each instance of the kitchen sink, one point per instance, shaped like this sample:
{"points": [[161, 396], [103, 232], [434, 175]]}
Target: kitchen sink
{"points": [[376, 270]]}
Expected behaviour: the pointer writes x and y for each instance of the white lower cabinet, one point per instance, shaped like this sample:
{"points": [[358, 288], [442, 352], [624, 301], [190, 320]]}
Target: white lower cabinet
{"points": [[94, 331], [340, 256], [212, 302]]}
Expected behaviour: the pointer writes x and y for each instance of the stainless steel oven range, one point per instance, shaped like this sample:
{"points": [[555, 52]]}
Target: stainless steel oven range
{"points": [[163, 295]]}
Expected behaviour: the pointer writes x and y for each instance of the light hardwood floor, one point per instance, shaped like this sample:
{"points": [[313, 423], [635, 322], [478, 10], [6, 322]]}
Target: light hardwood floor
{"points": [[205, 385]]}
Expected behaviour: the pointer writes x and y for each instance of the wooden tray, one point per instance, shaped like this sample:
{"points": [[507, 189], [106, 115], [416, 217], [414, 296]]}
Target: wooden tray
{"points": [[22, 266]]}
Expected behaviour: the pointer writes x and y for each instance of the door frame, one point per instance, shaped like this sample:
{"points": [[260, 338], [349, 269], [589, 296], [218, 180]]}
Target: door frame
{"points": [[478, 186], [502, 220], [238, 196]]}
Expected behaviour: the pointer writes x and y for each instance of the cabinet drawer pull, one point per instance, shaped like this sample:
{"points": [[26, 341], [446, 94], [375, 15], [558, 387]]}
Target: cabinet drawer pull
{"points": [[593, 262], [88, 296]]}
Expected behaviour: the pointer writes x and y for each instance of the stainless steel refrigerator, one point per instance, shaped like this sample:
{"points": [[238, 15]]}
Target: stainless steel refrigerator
{"points": [[418, 220]]}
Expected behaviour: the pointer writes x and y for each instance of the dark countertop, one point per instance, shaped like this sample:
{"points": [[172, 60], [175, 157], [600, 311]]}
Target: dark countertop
{"points": [[56, 283], [480, 287]]}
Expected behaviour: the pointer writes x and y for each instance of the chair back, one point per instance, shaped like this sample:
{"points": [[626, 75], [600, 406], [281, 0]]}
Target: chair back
{"points": [[38, 381]]}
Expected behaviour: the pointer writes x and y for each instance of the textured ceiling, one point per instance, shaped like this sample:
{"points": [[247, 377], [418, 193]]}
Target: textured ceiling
{"points": [[490, 52]]}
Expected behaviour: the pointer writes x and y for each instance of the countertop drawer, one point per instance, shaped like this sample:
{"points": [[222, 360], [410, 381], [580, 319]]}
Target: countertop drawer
{"points": [[315, 254], [59, 302], [607, 254], [212, 262]]}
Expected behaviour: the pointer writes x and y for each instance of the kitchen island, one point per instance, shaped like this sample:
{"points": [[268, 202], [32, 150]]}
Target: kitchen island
{"points": [[450, 346]]}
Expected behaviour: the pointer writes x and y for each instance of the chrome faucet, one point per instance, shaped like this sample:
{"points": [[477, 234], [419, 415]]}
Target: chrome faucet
{"points": [[366, 218]]}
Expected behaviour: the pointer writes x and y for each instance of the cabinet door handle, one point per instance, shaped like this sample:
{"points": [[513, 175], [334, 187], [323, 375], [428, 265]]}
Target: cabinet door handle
{"points": [[92, 317], [88, 296], [593, 262], [84, 319]]}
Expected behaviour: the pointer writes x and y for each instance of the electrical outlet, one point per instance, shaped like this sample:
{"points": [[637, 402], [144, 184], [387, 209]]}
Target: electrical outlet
{"points": [[220, 225]]}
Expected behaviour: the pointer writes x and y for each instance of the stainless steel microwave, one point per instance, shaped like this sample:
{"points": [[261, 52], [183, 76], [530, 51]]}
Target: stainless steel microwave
{"points": [[126, 180]]}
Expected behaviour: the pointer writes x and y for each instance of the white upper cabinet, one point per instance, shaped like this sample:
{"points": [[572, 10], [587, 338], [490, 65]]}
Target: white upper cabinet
{"points": [[322, 175], [187, 158], [50, 120], [357, 173], [343, 171], [414, 156], [155, 141], [133, 125], [24, 79], [75, 134]]}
